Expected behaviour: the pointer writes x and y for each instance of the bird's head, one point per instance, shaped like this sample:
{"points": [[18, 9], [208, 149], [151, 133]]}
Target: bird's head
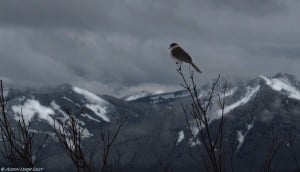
{"points": [[173, 45]]}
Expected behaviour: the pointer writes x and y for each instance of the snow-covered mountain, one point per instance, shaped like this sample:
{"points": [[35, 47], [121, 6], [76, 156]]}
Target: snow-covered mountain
{"points": [[140, 94], [163, 97], [156, 128], [42, 106]]}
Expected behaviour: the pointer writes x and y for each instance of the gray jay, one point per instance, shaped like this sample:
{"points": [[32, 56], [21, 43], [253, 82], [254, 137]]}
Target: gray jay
{"points": [[180, 56]]}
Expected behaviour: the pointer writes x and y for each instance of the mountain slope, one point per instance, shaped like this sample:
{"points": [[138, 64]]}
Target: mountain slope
{"points": [[256, 111]]}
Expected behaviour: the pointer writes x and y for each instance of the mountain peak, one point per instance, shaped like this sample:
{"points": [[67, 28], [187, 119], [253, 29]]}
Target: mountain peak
{"points": [[288, 77], [284, 75]]}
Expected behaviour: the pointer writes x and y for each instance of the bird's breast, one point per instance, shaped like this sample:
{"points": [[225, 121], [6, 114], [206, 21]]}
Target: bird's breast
{"points": [[175, 58]]}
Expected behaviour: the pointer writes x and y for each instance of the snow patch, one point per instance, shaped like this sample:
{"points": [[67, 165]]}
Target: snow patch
{"points": [[31, 108], [89, 117], [241, 136], [66, 98], [43, 132], [195, 130], [85, 132], [57, 108], [230, 92], [99, 111], [166, 96], [95, 103], [135, 97], [249, 94], [193, 142], [89, 96], [142, 94], [69, 100], [227, 93], [180, 137], [249, 126], [54, 105], [282, 84]]}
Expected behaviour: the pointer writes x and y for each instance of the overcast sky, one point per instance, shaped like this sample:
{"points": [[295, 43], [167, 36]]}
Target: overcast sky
{"points": [[118, 46]]}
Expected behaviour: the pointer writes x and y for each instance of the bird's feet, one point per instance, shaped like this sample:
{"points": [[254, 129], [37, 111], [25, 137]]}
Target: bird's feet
{"points": [[179, 65]]}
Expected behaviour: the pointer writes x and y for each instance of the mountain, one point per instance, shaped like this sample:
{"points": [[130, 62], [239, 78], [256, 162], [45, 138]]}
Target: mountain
{"points": [[141, 94], [163, 97], [156, 132]]}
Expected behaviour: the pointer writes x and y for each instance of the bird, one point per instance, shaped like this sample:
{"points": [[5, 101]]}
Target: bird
{"points": [[180, 56]]}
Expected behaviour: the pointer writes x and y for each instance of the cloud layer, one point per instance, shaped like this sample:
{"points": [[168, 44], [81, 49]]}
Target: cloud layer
{"points": [[109, 46]]}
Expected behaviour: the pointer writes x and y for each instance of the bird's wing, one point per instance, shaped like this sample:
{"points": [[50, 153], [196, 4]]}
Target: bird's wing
{"points": [[181, 55]]}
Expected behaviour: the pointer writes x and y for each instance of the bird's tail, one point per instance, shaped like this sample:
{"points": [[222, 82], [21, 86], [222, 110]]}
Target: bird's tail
{"points": [[195, 67]]}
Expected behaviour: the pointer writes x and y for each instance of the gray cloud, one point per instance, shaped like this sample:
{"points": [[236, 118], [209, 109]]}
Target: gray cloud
{"points": [[114, 45], [252, 7]]}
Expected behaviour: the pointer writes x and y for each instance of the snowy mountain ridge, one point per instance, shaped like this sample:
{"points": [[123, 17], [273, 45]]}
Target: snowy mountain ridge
{"points": [[27, 103], [283, 85], [252, 109]]}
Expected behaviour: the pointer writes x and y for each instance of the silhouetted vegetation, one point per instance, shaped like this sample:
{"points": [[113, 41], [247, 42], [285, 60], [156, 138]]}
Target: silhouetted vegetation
{"points": [[70, 133], [213, 157], [20, 146]]}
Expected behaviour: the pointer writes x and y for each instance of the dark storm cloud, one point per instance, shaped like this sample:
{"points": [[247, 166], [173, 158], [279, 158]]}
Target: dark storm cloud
{"points": [[49, 14], [112, 45]]}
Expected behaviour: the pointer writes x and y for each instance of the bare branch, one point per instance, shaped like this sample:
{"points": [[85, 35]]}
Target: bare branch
{"points": [[19, 145], [199, 113]]}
